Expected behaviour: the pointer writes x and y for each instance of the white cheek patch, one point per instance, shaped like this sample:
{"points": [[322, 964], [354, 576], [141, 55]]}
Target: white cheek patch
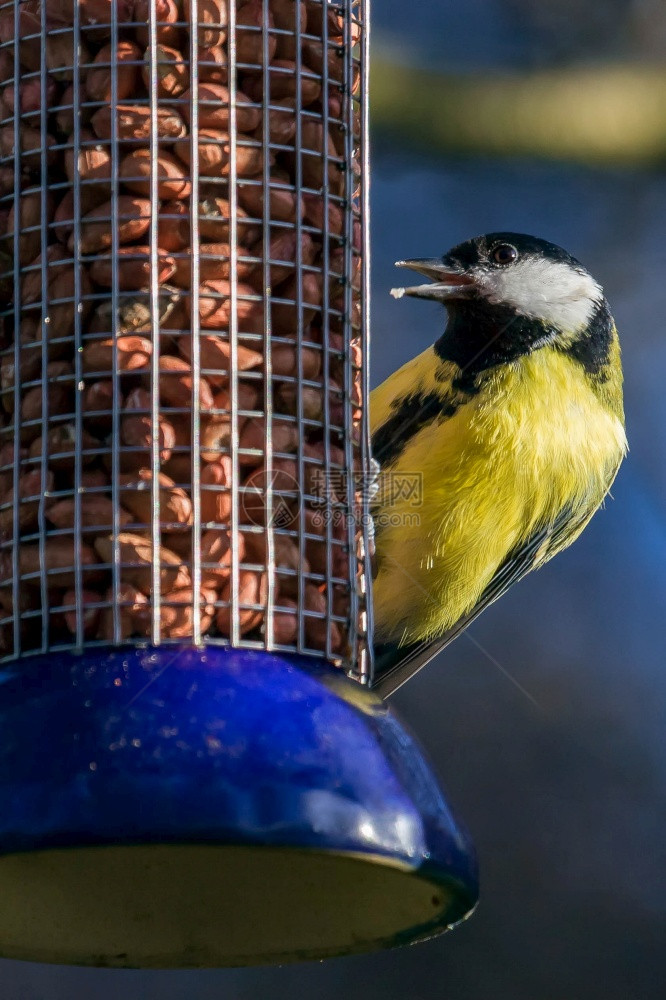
{"points": [[549, 290]]}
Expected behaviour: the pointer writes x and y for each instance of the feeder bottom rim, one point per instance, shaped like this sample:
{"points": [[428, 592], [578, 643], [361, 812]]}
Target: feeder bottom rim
{"points": [[203, 905]]}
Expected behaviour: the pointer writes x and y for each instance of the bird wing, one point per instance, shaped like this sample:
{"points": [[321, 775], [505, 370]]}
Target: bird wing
{"points": [[396, 664]]}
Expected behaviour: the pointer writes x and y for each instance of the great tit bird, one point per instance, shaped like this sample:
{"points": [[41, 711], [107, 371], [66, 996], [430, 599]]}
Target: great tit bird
{"points": [[496, 445]]}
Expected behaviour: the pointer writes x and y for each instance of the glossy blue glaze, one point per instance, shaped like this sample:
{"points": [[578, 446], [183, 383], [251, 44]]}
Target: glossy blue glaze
{"points": [[216, 745]]}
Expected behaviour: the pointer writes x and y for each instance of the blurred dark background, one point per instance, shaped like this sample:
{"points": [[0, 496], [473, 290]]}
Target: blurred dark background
{"points": [[546, 722]]}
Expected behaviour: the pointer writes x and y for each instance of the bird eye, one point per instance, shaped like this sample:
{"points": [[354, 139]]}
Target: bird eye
{"points": [[504, 254]]}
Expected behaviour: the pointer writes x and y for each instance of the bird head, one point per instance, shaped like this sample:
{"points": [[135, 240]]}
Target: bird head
{"points": [[508, 294]]}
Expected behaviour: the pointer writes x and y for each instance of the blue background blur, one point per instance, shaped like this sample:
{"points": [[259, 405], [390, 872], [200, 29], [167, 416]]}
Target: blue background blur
{"points": [[546, 722]]}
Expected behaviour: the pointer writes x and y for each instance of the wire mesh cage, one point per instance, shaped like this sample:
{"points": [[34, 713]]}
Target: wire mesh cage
{"points": [[183, 363]]}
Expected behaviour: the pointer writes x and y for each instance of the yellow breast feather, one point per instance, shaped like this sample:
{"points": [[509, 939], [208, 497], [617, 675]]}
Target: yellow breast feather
{"points": [[533, 442]]}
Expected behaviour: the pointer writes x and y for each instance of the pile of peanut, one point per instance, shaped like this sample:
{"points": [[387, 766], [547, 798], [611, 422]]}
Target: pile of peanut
{"points": [[77, 298]]}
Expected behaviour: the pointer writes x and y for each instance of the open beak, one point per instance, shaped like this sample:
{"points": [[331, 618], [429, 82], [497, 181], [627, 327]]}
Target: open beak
{"points": [[446, 284]]}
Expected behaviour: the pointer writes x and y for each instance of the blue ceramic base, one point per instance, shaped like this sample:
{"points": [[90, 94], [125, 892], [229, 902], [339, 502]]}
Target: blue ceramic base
{"points": [[189, 807]]}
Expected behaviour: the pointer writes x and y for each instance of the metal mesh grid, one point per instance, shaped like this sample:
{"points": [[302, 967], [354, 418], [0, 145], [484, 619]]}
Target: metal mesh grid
{"points": [[184, 435]]}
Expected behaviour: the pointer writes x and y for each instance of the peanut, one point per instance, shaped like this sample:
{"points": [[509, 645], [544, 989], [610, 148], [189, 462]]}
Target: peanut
{"points": [[177, 612], [214, 355], [64, 446], [247, 395], [284, 308], [136, 433], [316, 483], [320, 160], [254, 40], [31, 489], [133, 613], [137, 169], [213, 64], [175, 377], [58, 393], [315, 544], [31, 283], [94, 479], [214, 151], [215, 491], [28, 208], [182, 425], [30, 147], [134, 121], [129, 353], [96, 513], [9, 457], [92, 196], [61, 555], [283, 205], [281, 123], [320, 633], [6, 58], [290, 564], [284, 436], [178, 468], [29, 369], [6, 180], [212, 18], [290, 17], [130, 216], [90, 614], [30, 97], [252, 594], [214, 262], [284, 81], [136, 561], [313, 57], [214, 108], [285, 360], [98, 12], [287, 398], [285, 622], [98, 80], [62, 52], [216, 557], [29, 31], [97, 404], [215, 438], [214, 220], [317, 13], [175, 507], [173, 228], [133, 267], [93, 162], [315, 211], [64, 111], [214, 303], [283, 253], [166, 16], [173, 72]]}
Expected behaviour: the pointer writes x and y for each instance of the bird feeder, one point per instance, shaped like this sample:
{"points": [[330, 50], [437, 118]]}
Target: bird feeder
{"points": [[193, 768]]}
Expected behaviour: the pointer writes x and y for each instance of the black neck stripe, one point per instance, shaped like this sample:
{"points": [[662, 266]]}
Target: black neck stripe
{"points": [[480, 336], [409, 415], [591, 348]]}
